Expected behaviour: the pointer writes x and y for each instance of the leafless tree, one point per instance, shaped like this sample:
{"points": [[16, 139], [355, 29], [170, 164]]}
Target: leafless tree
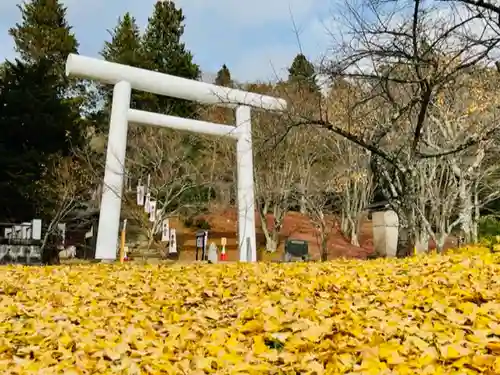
{"points": [[68, 187], [275, 175], [467, 105], [487, 11], [321, 199], [437, 203], [352, 163], [219, 161], [402, 55], [176, 182], [356, 190], [307, 154]]}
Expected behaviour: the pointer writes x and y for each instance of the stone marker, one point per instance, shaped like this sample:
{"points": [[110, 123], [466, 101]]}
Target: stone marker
{"points": [[213, 257], [385, 233]]}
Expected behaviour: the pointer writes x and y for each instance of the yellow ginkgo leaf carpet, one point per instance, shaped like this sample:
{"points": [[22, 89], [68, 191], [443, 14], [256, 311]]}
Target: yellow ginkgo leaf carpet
{"points": [[428, 315]]}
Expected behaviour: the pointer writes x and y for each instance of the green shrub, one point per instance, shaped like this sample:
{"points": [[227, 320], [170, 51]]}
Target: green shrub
{"points": [[489, 226], [489, 231], [202, 224], [189, 222]]}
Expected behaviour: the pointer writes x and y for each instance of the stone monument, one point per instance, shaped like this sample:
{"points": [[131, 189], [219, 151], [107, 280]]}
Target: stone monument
{"points": [[385, 229], [213, 256]]}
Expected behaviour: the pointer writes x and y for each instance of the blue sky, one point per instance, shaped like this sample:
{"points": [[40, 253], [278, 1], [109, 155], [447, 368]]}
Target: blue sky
{"points": [[255, 39]]}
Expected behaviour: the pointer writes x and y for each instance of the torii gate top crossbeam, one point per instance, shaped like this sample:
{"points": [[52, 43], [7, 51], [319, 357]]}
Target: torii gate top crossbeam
{"points": [[168, 85]]}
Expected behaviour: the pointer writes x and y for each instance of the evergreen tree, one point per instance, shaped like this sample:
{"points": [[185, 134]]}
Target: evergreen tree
{"points": [[125, 44], [303, 74], [40, 117], [224, 77], [44, 34], [125, 48], [36, 126], [166, 53]]}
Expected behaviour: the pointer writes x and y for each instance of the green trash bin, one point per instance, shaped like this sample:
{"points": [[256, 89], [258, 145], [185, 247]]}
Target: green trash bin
{"points": [[296, 249]]}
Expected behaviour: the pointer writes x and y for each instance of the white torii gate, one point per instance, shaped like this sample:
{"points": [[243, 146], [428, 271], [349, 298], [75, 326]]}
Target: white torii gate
{"points": [[125, 78]]}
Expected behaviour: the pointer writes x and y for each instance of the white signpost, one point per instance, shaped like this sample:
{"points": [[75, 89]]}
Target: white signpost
{"points": [[147, 203], [125, 78], [172, 244], [152, 211], [165, 230], [140, 194]]}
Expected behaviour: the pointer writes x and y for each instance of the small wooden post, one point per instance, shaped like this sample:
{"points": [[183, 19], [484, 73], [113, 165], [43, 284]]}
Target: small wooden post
{"points": [[122, 241]]}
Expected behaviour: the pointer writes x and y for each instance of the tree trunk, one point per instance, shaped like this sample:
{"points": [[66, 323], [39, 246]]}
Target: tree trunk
{"points": [[263, 209], [354, 237], [151, 238], [344, 223], [442, 235], [350, 227], [303, 204], [271, 235], [422, 242], [476, 217], [407, 233], [465, 213], [466, 223], [50, 250], [354, 231], [302, 187], [50, 255], [324, 247], [279, 211], [441, 240], [265, 230], [272, 242], [224, 195]]}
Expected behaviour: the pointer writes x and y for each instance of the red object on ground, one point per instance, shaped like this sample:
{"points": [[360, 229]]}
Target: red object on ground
{"points": [[223, 256]]}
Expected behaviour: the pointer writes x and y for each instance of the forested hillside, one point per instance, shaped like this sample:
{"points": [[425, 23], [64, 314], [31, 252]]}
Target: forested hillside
{"points": [[407, 116]]}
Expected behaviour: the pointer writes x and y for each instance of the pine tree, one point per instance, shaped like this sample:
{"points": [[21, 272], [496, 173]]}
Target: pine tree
{"points": [[33, 132], [125, 48], [224, 77], [125, 44], [303, 74], [44, 34], [166, 53], [40, 117]]}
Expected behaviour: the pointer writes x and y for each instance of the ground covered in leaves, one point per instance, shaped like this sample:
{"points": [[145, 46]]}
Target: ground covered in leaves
{"points": [[429, 315]]}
